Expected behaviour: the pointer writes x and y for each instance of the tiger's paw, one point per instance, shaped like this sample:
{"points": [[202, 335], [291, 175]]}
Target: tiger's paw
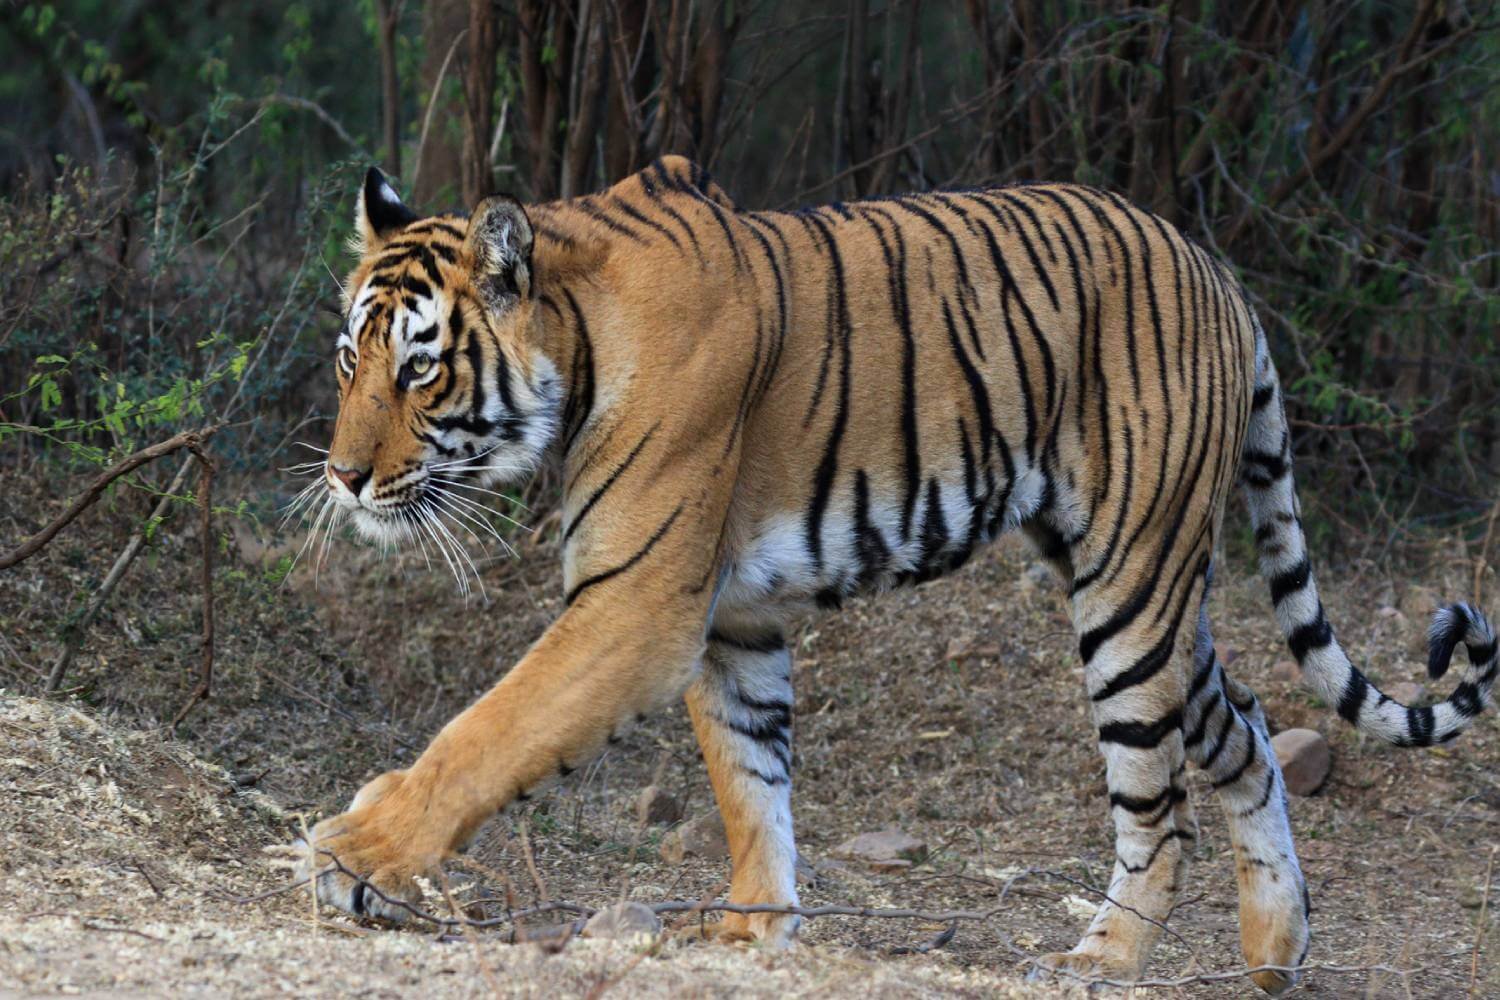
{"points": [[1274, 932], [360, 862], [766, 930], [1090, 969]]}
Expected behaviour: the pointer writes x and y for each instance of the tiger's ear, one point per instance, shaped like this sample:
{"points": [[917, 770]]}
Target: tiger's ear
{"points": [[499, 245], [381, 213]]}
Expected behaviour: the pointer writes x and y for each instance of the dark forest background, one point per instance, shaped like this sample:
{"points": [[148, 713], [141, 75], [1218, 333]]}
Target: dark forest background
{"points": [[177, 180]]}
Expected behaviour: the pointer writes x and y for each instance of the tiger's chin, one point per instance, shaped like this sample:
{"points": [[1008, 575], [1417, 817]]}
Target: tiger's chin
{"points": [[389, 528]]}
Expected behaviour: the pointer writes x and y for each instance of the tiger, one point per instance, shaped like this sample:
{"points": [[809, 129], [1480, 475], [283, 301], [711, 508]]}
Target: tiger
{"points": [[761, 413]]}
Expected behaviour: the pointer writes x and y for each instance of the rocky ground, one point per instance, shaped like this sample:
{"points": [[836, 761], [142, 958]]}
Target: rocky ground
{"points": [[947, 718]]}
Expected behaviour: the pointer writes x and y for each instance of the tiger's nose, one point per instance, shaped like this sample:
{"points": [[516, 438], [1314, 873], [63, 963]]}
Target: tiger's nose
{"points": [[353, 479]]}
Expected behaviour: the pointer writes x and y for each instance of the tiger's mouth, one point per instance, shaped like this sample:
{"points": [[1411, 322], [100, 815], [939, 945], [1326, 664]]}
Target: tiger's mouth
{"points": [[451, 512], [448, 516]]}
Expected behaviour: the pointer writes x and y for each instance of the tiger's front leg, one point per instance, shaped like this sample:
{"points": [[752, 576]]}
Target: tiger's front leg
{"points": [[741, 706], [593, 672]]}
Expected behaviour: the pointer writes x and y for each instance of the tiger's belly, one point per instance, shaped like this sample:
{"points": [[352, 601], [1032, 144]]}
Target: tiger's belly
{"points": [[866, 542]]}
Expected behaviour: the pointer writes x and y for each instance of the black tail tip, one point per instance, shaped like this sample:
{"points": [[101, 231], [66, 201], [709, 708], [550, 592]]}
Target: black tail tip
{"points": [[1448, 628]]}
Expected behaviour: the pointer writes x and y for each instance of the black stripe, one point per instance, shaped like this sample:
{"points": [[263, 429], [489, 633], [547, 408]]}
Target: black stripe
{"points": [[1196, 736], [768, 642], [599, 215], [641, 217], [654, 193], [1140, 804], [838, 320], [770, 779], [1466, 700], [869, 545], [610, 481], [1239, 772], [1222, 740], [1271, 467], [1265, 795], [1353, 698], [1166, 839], [1316, 634], [1141, 735], [1140, 671], [1420, 723], [895, 263], [1291, 581], [580, 405], [598, 578]]}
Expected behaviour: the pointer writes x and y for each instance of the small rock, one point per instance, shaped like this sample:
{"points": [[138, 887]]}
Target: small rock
{"points": [[883, 850], [624, 921], [1407, 692], [1305, 759], [656, 806], [1286, 671], [702, 837]]}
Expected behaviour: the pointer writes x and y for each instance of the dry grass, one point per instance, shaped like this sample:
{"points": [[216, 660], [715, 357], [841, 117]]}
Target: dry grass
{"points": [[988, 757]]}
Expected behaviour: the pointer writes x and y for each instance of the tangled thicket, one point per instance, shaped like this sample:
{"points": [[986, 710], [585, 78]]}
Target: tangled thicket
{"points": [[175, 184]]}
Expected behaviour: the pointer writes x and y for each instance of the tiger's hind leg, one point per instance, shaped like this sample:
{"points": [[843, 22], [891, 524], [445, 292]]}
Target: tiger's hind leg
{"points": [[1136, 645], [741, 706], [1226, 736]]}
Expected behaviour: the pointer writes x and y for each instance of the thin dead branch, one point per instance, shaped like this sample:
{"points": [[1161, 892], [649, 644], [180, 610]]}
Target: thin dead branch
{"points": [[703, 906], [191, 440], [206, 539]]}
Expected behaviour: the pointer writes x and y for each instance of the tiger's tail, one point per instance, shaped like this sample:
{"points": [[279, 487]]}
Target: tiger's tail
{"points": [[1266, 473]]}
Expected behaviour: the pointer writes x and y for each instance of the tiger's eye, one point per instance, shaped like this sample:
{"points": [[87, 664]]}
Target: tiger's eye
{"points": [[346, 359], [421, 364]]}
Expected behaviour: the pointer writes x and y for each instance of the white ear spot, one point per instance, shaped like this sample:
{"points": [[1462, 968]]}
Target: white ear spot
{"points": [[388, 194]]}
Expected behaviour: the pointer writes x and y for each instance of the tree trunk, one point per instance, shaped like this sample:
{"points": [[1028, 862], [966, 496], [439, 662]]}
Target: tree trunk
{"points": [[479, 100], [388, 13], [439, 180], [857, 96], [587, 86]]}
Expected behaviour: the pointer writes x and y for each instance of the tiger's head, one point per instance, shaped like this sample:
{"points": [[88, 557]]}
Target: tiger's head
{"points": [[441, 384]]}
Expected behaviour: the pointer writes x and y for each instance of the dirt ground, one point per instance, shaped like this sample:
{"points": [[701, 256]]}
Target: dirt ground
{"points": [[953, 712]]}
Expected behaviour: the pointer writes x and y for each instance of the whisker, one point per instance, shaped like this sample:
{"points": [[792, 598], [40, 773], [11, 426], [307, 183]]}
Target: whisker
{"points": [[312, 447], [462, 461], [455, 469], [311, 535], [481, 489], [335, 521], [426, 524], [337, 283], [477, 506], [298, 504], [461, 515], [464, 552], [409, 520]]}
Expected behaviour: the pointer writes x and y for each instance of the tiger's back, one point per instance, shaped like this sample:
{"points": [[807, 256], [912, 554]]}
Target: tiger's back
{"points": [[963, 381]]}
